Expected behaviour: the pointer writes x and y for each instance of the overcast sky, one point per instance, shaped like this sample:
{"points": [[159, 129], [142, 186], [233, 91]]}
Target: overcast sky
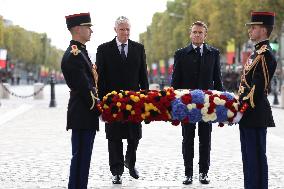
{"points": [[49, 16]]}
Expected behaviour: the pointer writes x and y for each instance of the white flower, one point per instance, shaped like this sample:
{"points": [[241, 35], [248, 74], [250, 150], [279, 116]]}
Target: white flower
{"points": [[191, 106], [219, 101], [209, 117], [204, 110], [207, 104], [179, 93], [230, 113], [236, 105]]}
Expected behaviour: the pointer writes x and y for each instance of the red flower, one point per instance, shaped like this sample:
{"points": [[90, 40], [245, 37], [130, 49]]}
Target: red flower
{"points": [[229, 104], [199, 106], [231, 119], [221, 125], [223, 97], [211, 108], [185, 120], [186, 99], [207, 92], [175, 122]]}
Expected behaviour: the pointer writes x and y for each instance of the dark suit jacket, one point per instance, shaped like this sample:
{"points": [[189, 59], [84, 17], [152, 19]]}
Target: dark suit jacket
{"points": [[81, 113], [117, 74], [186, 76], [259, 112]]}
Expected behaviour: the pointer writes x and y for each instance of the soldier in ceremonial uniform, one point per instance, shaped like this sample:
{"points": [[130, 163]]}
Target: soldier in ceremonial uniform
{"points": [[257, 114], [82, 115]]}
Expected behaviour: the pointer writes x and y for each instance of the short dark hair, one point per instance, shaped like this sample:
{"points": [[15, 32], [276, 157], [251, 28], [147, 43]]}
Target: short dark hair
{"points": [[199, 23], [269, 29]]}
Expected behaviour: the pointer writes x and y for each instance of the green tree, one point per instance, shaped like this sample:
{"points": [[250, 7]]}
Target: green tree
{"points": [[225, 18], [1, 32], [30, 48]]}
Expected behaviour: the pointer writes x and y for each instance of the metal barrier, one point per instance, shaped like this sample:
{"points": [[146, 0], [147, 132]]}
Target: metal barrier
{"points": [[38, 87], [6, 92]]}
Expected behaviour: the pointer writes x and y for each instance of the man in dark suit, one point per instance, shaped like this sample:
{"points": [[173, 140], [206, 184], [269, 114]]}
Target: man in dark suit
{"points": [[253, 90], [82, 116], [121, 65], [197, 66]]}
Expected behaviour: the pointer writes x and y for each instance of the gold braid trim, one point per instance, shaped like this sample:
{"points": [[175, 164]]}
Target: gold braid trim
{"points": [[249, 67], [96, 76], [250, 97], [266, 74]]}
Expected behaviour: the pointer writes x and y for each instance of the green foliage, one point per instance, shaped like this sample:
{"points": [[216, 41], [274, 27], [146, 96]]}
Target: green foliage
{"points": [[1, 32], [226, 20], [29, 48]]}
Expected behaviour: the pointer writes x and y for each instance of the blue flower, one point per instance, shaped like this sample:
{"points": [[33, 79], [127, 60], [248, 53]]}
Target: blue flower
{"points": [[221, 112], [194, 115], [179, 110], [228, 95], [197, 96]]}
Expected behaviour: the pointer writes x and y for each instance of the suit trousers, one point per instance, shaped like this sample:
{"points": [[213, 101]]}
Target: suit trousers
{"points": [[82, 146], [255, 168], [204, 133], [116, 158]]}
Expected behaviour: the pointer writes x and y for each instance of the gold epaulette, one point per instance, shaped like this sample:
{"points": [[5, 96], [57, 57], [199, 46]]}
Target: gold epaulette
{"points": [[75, 51], [262, 49], [250, 97]]}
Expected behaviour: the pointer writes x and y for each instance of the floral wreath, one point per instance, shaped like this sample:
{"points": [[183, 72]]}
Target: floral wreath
{"points": [[176, 106]]}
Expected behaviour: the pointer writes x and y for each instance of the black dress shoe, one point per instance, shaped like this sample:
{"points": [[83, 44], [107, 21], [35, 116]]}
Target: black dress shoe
{"points": [[203, 178], [116, 179], [188, 180], [132, 171]]}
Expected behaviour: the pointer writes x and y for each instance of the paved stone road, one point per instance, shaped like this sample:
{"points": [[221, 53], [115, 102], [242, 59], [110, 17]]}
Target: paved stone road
{"points": [[35, 151]]}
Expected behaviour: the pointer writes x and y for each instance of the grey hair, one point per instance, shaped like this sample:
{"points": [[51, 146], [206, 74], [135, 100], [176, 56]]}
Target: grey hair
{"points": [[120, 20]]}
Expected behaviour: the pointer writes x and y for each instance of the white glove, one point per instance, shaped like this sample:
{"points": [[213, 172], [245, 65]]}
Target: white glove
{"points": [[238, 117]]}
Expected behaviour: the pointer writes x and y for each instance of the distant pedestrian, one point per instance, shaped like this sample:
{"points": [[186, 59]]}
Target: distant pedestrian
{"points": [[82, 116], [253, 90]]}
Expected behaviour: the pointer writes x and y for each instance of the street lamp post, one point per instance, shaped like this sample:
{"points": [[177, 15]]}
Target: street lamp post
{"points": [[52, 92], [275, 90]]}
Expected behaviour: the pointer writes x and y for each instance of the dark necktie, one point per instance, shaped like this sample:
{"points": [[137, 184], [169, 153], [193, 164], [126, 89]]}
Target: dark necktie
{"points": [[198, 51], [122, 52]]}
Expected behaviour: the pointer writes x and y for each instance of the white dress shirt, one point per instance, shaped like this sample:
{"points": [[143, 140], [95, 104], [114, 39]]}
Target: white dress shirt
{"points": [[119, 46], [201, 48]]}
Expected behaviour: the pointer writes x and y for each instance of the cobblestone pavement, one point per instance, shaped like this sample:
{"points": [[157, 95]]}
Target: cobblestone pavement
{"points": [[35, 151]]}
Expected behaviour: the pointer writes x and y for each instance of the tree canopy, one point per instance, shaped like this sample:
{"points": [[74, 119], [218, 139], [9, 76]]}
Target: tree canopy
{"points": [[29, 48], [226, 20]]}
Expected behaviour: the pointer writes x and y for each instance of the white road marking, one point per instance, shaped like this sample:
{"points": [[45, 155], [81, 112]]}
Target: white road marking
{"points": [[14, 113]]}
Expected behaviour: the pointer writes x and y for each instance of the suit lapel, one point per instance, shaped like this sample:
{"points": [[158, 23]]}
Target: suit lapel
{"points": [[205, 49], [130, 52], [189, 48], [116, 52], [203, 63]]}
